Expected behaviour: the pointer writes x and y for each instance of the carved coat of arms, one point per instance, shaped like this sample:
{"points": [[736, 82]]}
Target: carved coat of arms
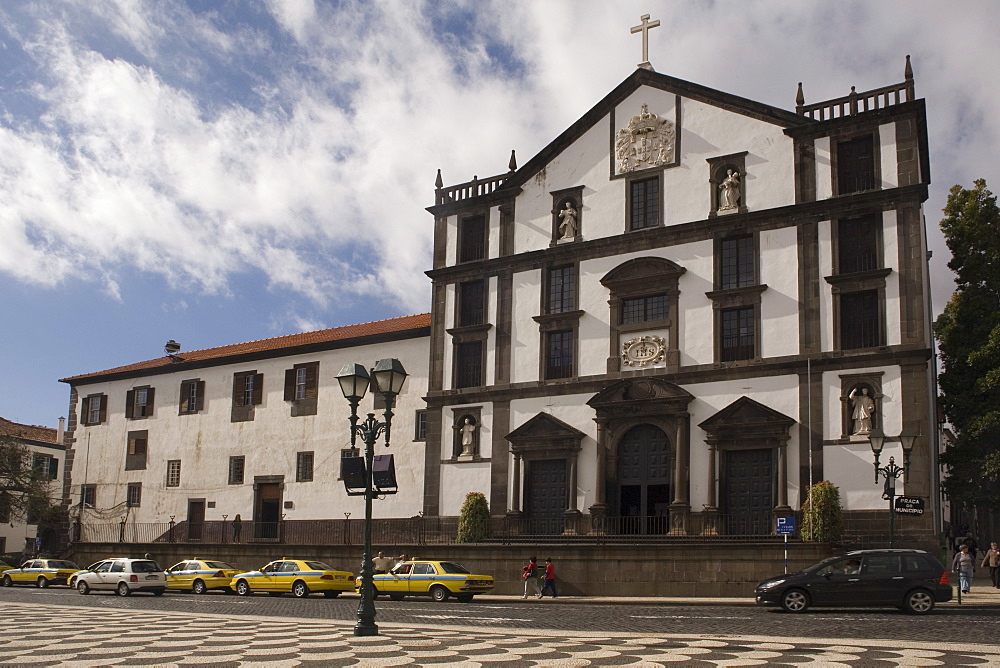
{"points": [[643, 351], [647, 141]]}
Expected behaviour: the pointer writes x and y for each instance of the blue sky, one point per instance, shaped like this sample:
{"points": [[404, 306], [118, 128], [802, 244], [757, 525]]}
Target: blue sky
{"points": [[217, 171]]}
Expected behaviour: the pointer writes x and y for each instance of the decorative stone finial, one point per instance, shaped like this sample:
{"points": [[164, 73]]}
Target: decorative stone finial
{"points": [[512, 165], [800, 98], [908, 72], [438, 183]]}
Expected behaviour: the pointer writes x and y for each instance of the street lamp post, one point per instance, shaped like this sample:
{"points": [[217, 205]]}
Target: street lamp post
{"points": [[891, 471], [354, 379]]}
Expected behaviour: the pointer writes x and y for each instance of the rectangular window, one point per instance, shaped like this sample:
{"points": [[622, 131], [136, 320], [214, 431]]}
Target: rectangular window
{"points": [[173, 473], [94, 409], [559, 355], [304, 467], [469, 364], [135, 455], [562, 290], [134, 495], [737, 266], [738, 325], [192, 397], [301, 376], [237, 465], [46, 466], [248, 391], [472, 303], [139, 403], [858, 244], [859, 320], [472, 239], [88, 496], [302, 388], [856, 165], [644, 309], [644, 203], [420, 426]]}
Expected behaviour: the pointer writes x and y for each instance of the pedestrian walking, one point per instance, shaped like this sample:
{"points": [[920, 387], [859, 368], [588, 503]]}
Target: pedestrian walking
{"points": [[992, 559], [237, 528], [550, 578], [530, 576], [964, 564]]}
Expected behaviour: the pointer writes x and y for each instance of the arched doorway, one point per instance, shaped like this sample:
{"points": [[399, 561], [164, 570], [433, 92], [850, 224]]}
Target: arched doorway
{"points": [[644, 480]]}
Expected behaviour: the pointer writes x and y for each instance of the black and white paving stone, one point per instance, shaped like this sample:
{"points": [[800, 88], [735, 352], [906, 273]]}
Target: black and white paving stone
{"points": [[53, 635]]}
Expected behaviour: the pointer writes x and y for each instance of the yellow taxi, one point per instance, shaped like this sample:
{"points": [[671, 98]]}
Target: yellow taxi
{"points": [[200, 575], [4, 566], [301, 577], [437, 579], [40, 572]]}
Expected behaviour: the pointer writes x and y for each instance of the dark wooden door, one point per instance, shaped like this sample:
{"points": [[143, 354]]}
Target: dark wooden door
{"points": [[748, 500], [267, 510], [545, 495], [196, 518], [644, 480]]}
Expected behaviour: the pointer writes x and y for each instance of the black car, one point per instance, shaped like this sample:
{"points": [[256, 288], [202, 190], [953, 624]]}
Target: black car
{"points": [[911, 580]]}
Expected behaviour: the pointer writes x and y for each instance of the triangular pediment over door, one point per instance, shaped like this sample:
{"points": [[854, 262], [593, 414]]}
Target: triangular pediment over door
{"points": [[746, 418]]}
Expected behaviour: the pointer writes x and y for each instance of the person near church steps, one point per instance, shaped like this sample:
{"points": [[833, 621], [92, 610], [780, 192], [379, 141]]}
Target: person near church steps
{"points": [[991, 558], [550, 578], [964, 564], [529, 574]]}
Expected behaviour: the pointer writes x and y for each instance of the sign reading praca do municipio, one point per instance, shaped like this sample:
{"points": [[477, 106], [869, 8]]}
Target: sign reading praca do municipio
{"points": [[909, 505], [785, 525]]}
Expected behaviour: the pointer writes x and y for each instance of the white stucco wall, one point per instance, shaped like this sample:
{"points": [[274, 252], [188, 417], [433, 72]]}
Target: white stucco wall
{"points": [[887, 154], [779, 304]]}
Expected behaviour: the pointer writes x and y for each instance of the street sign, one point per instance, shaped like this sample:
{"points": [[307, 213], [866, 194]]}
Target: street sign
{"points": [[785, 526], [909, 505]]}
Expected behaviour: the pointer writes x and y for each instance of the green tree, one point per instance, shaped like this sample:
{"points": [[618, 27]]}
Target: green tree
{"points": [[474, 522], [968, 334], [24, 491], [821, 520]]}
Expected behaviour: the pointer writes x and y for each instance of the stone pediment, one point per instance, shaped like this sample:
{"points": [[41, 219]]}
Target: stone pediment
{"points": [[748, 418], [642, 270], [544, 432], [636, 391]]}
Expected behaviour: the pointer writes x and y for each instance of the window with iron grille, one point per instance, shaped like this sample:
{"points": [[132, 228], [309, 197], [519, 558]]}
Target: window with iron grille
{"points": [[738, 325], [737, 265], [859, 320], [304, 467], [856, 165], [472, 239], [134, 495], [562, 290], [472, 303], [237, 464], [469, 364], [644, 309], [173, 473], [644, 203], [420, 426], [858, 243], [559, 355]]}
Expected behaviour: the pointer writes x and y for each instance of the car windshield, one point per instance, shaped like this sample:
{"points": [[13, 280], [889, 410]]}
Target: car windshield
{"points": [[319, 566], [63, 564], [451, 567], [144, 567], [219, 564], [821, 565]]}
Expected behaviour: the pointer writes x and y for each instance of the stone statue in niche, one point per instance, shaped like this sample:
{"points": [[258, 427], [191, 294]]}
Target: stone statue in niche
{"points": [[468, 431], [864, 408], [729, 191], [568, 224]]}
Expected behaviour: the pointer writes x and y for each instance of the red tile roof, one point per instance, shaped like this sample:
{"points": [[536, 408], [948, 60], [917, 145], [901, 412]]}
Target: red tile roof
{"points": [[30, 432], [317, 338]]}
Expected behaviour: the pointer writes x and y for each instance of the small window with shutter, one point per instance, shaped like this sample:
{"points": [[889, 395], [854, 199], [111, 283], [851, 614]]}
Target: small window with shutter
{"points": [[192, 397], [135, 456], [248, 391], [302, 388], [139, 403], [94, 409]]}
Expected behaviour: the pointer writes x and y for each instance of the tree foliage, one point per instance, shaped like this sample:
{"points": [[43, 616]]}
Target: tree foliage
{"points": [[821, 518], [474, 521], [24, 491], [968, 334]]}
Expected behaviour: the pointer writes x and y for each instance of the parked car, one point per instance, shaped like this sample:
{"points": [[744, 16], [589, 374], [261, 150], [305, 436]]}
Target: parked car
{"points": [[5, 565], [301, 577], [71, 581], [40, 572], [911, 580], [437, 579], [123, 576], [201, 575]]}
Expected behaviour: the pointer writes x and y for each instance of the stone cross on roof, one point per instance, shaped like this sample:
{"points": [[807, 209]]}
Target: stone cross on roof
{"points": [[644, 28]]}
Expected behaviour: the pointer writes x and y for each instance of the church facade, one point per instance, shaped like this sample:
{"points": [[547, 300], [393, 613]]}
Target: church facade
{"points": [[682, 312]]}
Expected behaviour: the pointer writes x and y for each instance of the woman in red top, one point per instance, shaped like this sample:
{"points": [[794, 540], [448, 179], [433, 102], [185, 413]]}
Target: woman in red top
{"points": [[550, 579]]}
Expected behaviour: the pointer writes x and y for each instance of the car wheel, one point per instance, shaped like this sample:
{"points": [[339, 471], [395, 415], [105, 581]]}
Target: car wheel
{"points": [[83, 587], [123, 589], [7, 582], [795, 600], [300, 589], [396, 597], [243, 588], [331, 594], [199, 587], [439, 593], [464, 598], [43, 582], [157, 592], [918, 602]]}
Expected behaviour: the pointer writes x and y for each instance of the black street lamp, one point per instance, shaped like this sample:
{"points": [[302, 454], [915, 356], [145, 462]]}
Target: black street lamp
{"points": [[389, 376], [891, 471]]}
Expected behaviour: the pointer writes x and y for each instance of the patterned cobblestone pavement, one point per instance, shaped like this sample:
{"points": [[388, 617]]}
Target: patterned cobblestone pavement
{"points": [[73, 636]]}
